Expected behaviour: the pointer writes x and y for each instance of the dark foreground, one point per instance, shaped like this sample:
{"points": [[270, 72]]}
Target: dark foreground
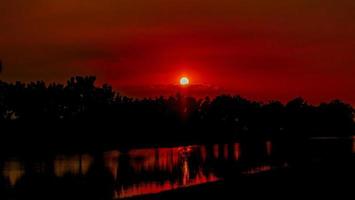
{"points": [[320, 167], [333, 183], [280, 184]]}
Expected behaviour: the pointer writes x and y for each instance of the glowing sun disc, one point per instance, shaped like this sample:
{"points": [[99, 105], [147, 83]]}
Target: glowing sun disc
{"points": [[184, 81]]}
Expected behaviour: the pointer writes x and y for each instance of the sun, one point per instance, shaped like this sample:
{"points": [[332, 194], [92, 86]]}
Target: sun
{"points": [[184, 81]]}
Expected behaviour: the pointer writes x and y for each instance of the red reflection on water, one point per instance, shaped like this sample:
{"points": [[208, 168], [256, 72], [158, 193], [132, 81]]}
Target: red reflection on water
{"points": [[216, 151], [203, 153], [258, 169], [154, 187], [268, 148], [162, 160], [185, 173], [225, 151], [236, 151], [151, 159]]}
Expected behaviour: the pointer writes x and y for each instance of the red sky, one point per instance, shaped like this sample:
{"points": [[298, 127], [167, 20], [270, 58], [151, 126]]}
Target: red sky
{"points": [[275, 49]]}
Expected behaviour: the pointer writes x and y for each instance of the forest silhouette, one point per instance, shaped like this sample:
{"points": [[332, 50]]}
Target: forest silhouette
{"points": [[80, 114]]}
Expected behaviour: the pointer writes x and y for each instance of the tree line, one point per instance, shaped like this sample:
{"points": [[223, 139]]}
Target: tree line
{"points": [[80, 103]]}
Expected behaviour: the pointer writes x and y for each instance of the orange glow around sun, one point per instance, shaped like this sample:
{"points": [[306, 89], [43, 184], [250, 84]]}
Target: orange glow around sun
{"points": [[184, 81]]}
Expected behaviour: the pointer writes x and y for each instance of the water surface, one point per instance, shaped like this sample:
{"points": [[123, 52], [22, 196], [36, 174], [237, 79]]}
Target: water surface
{"points": [[121, 174]]}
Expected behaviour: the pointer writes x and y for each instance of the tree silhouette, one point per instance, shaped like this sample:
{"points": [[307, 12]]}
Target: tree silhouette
{"points": [[79, 107]]}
